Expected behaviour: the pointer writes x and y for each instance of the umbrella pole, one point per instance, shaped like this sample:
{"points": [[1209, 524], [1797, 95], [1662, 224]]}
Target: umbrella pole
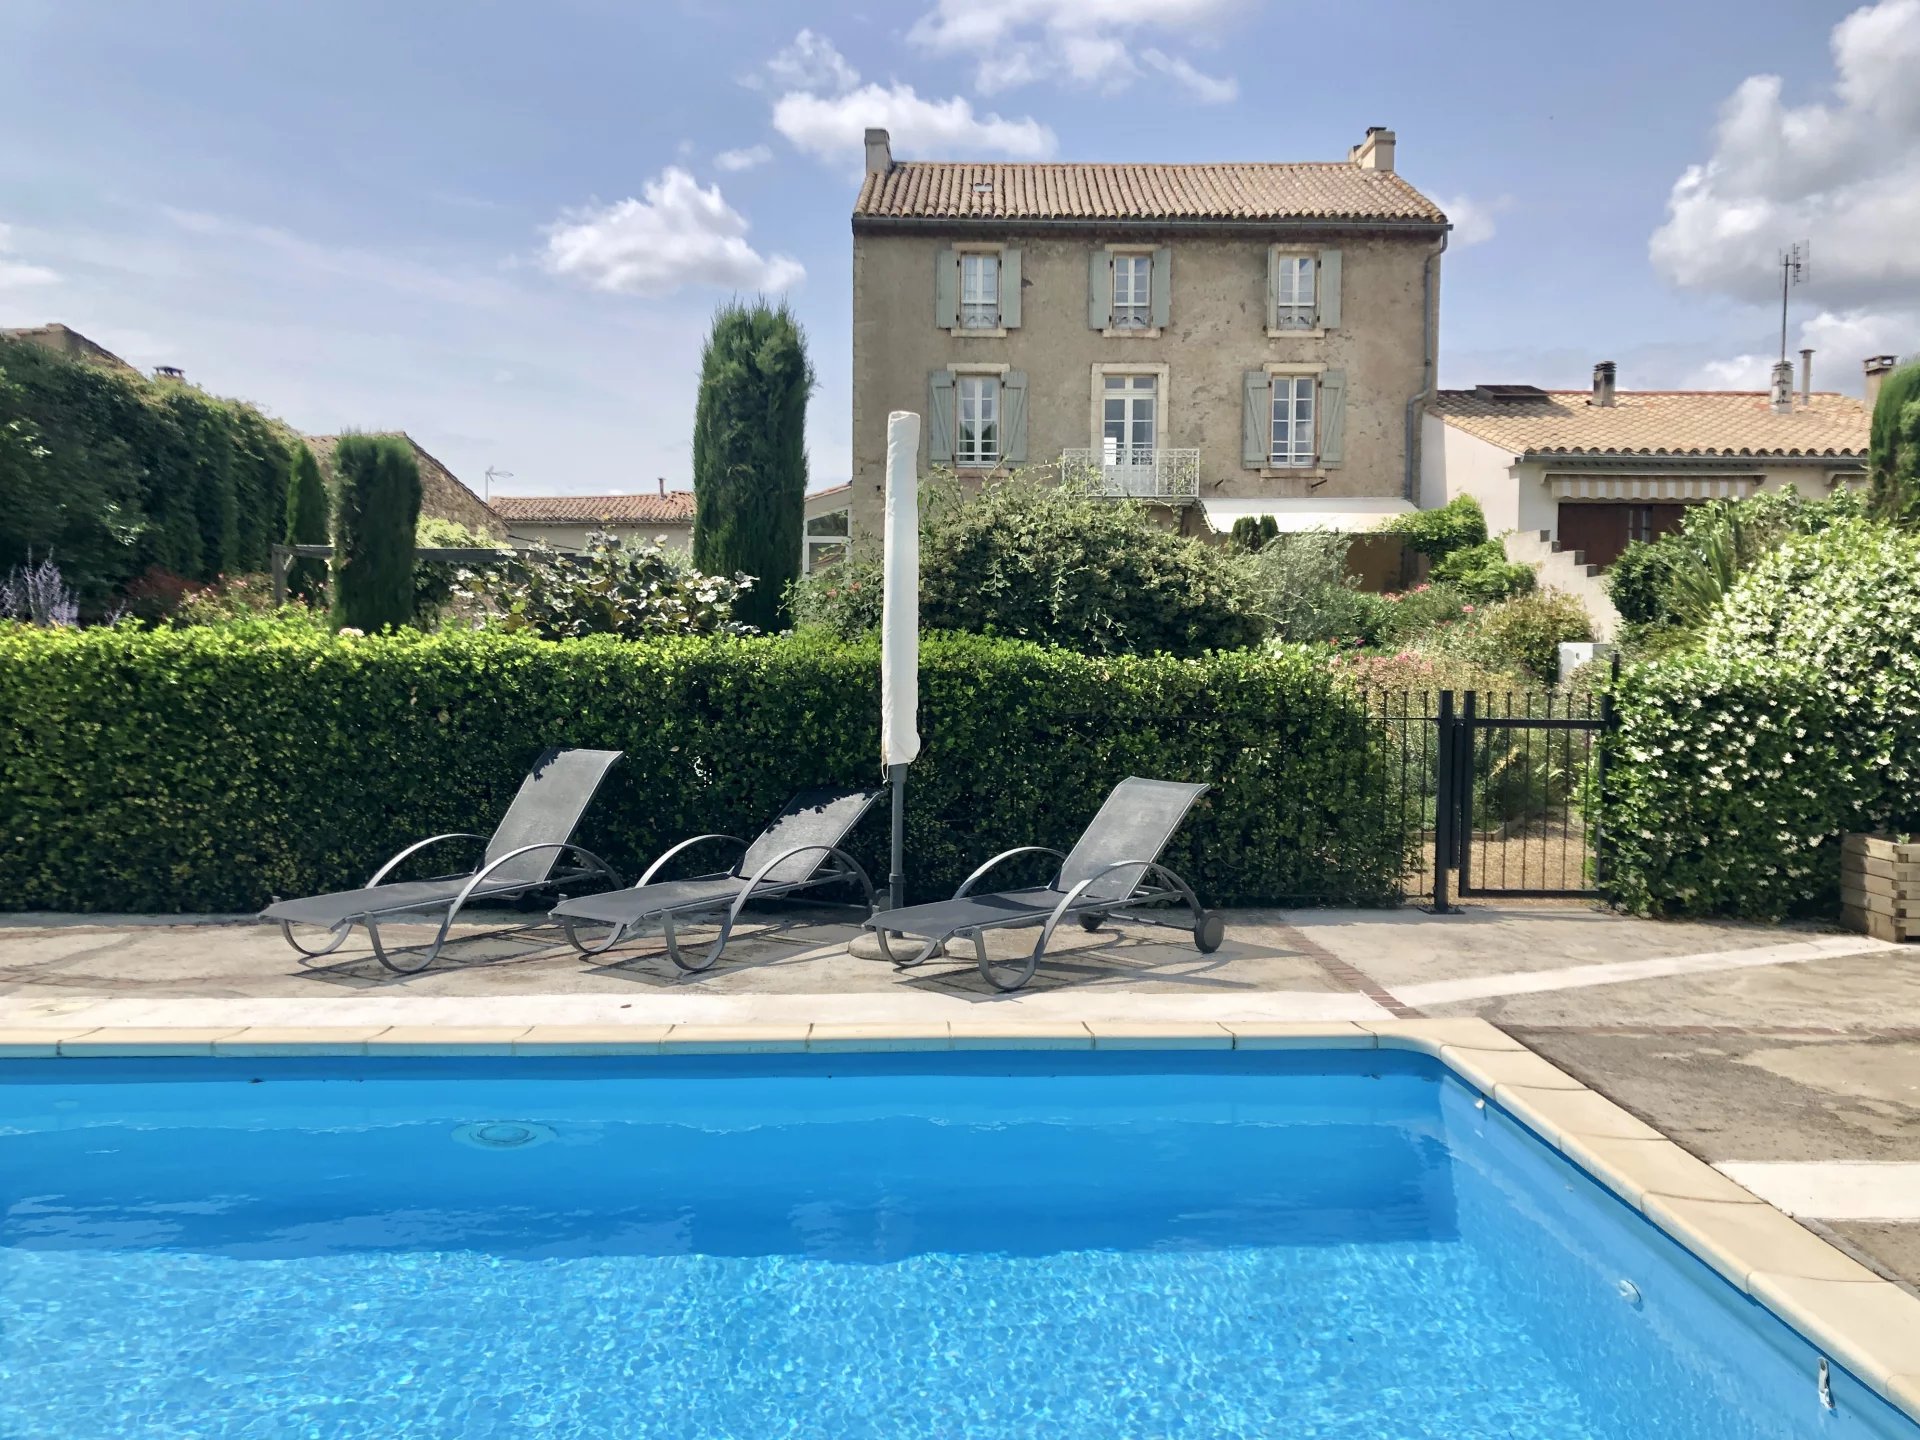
{"points": [[896, 879]]}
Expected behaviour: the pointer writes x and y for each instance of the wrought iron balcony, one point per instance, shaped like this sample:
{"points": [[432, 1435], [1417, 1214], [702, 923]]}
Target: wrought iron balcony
{"points": [[1126, 472]]}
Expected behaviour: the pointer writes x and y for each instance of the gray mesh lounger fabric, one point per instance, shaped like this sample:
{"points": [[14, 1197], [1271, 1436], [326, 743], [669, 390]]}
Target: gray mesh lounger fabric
{"points": [[540, 822], [798, 850], [1114, 865]]}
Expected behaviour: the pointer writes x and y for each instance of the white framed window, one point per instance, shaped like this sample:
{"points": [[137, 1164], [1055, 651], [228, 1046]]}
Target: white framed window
{"points": [[1290, 442], [976, 437], [1293, 297], [979, 291], [1132, 292], [1129, 419], [826, 542]]}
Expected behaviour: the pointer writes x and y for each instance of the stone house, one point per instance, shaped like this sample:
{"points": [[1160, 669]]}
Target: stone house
{"points": [[565, 521], [1215, 339], [1571, 477]]}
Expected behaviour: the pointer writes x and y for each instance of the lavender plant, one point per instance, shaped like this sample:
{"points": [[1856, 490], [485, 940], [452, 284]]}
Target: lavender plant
{"points": [[37, 594]]}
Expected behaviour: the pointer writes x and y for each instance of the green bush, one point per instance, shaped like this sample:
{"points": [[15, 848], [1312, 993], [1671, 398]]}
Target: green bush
{"points": [[637, 592], [1458, 525], [375, 511], [116, 475], [1893, 448], [210, 768], [1421, 613], [1483, 572], [1301, 584], [1028, 560], [1524, 633], [750, 455], [306, 524], [1797, 720], [1637, 582]]}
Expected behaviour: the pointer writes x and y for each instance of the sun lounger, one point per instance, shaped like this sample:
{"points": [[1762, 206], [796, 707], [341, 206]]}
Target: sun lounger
{"points": [[522, 857], [799, 850], [1114, 872]]}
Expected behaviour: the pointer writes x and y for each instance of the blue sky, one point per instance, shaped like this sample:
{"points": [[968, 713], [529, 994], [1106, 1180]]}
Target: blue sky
{"points": [[503, 227]]}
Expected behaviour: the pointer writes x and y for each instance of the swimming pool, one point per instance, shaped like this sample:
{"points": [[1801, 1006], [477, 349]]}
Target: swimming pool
{"points": [[1129, 1244]]}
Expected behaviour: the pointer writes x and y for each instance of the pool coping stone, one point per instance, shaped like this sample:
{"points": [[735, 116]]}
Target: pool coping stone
{"points": [[1865, 1323]]}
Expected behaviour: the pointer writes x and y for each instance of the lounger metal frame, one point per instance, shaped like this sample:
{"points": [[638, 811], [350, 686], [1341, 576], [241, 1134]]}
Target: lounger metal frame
{"points": [[839, 866]]}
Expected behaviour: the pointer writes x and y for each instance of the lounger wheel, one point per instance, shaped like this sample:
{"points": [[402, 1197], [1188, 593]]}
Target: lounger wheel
{"points": [[1093, 920], [1209, 929], [339, 939]]}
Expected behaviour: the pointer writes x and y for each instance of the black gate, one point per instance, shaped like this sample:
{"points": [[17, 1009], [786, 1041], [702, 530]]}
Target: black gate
{"points": [[1516, 776]]}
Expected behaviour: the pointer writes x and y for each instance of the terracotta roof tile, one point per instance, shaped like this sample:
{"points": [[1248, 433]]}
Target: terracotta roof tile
{"points": [[1722, 423], [1337, 190], [673, 508]]}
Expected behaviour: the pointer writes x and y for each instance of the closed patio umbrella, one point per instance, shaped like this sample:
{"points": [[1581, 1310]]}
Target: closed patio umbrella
{"points": [[900, 630]]}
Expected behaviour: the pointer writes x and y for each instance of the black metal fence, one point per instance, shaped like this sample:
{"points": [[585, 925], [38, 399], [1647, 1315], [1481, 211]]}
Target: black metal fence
{"points": [[1496, 788]]}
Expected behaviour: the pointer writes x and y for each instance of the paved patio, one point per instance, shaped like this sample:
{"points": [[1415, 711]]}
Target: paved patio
{"points": [[1788, 1056]]}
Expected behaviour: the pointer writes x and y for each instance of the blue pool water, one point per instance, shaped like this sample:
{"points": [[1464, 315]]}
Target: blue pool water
{"points": [[1057, 1246]]}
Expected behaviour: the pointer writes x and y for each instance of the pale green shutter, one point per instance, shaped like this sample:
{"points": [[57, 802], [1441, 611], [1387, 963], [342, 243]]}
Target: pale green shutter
{"points": [[1327, 290], [1010, 289], [1273, 288], [1333, 416], [1100, 290], [1256, 429], [946, 289], [1161, 286], [1013, 417], [940, 417]]}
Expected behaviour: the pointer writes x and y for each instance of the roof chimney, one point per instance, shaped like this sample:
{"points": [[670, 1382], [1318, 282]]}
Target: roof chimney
{"points": [[166, 372], [879, 152], [1782, 388], [663, 486], [1373, 153], [1806, 378], [1603, 383], [1878, 368]]}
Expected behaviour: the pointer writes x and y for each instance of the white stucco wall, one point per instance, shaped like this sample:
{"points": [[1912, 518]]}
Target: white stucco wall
{"points": [[1454, 463], [574, 536]]}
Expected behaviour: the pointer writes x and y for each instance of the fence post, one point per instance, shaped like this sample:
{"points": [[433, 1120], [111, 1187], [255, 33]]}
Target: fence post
{"points": [[1608, 719], [1443, 804], [282, 557]]}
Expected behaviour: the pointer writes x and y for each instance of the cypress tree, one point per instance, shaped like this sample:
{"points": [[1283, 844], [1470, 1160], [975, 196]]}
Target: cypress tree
{"points": [[306, 523], [1893, 448], [750, 454], [375, 513]]}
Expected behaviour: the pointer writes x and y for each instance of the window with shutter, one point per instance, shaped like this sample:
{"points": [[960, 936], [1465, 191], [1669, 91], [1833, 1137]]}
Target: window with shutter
{"points": [[1328, 290], [946, 289], [1132, 292], [940, 417], [1010, 289], [1099, 290], [977, 433], [1013, 417], [1333, 417], [979, 292], [1291, 445]]}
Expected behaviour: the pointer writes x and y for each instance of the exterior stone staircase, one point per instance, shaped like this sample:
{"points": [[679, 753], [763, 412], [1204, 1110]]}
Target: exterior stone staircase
{"points": [[1566, 570]]}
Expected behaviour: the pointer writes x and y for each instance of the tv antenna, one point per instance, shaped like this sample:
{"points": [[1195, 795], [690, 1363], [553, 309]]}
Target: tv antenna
{"points": [[1796, 263], [492, 474]]}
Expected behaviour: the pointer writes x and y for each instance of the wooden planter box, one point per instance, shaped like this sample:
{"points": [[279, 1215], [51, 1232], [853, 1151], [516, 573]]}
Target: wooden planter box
{"points": [[1880, 887]]}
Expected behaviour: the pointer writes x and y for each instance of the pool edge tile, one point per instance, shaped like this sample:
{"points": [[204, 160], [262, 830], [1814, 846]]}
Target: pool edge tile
{"points": [[151, 1041], [735, 1040], [1300, 1035], [1741, 1240], [1871, 1327], [554, 1040], [1488, 1070], [35, 1042], [1554, 1115], [1428, 1035], [1165, 1035], [1637, 1169], [1020, 1035], [852, 1037], [269, 1041], [446, 1040]]}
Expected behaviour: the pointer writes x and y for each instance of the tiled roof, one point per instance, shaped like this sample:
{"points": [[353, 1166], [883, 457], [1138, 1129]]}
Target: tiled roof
{"points": [[673, 508], [1226, 192], [1722, 423]]}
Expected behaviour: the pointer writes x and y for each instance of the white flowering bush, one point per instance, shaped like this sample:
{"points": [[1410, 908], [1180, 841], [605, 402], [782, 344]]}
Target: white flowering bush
{"points": [[636, 592], [1737, 766]]}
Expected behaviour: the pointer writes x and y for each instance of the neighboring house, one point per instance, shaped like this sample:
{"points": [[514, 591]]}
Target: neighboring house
{"points": [[63, 340], [443, 496], [829, 528], [565, 521], [1197, 336], [1573, 476]]}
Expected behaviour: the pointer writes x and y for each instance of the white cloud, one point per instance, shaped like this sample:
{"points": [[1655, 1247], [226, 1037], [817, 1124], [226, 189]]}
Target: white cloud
{"points": [[1844, 173], [1473, 220], [1839, 341], [19, 272], [1203, 87], [744, 159], [1021, 42], [832, 127], [811, 62], [678, 235]]}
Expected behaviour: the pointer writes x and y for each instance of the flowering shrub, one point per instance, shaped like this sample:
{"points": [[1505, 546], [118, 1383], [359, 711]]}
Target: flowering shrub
{"points": [[632, 591], [36, 593], [1523, 634], [1737, 767]]}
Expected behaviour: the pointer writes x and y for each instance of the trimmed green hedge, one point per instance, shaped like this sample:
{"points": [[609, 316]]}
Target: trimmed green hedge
{"points": [[212, 767]]}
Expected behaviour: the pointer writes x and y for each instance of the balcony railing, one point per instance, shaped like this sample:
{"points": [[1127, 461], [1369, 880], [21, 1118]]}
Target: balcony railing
{"points": [[1171, 476]]}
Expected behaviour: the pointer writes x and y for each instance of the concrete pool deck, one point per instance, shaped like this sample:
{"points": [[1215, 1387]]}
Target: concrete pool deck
{"points": [[1789, 1056]]}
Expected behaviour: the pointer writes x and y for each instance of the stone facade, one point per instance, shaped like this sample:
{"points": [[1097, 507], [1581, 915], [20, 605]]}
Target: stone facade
{"points": [[1216, 331]]}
